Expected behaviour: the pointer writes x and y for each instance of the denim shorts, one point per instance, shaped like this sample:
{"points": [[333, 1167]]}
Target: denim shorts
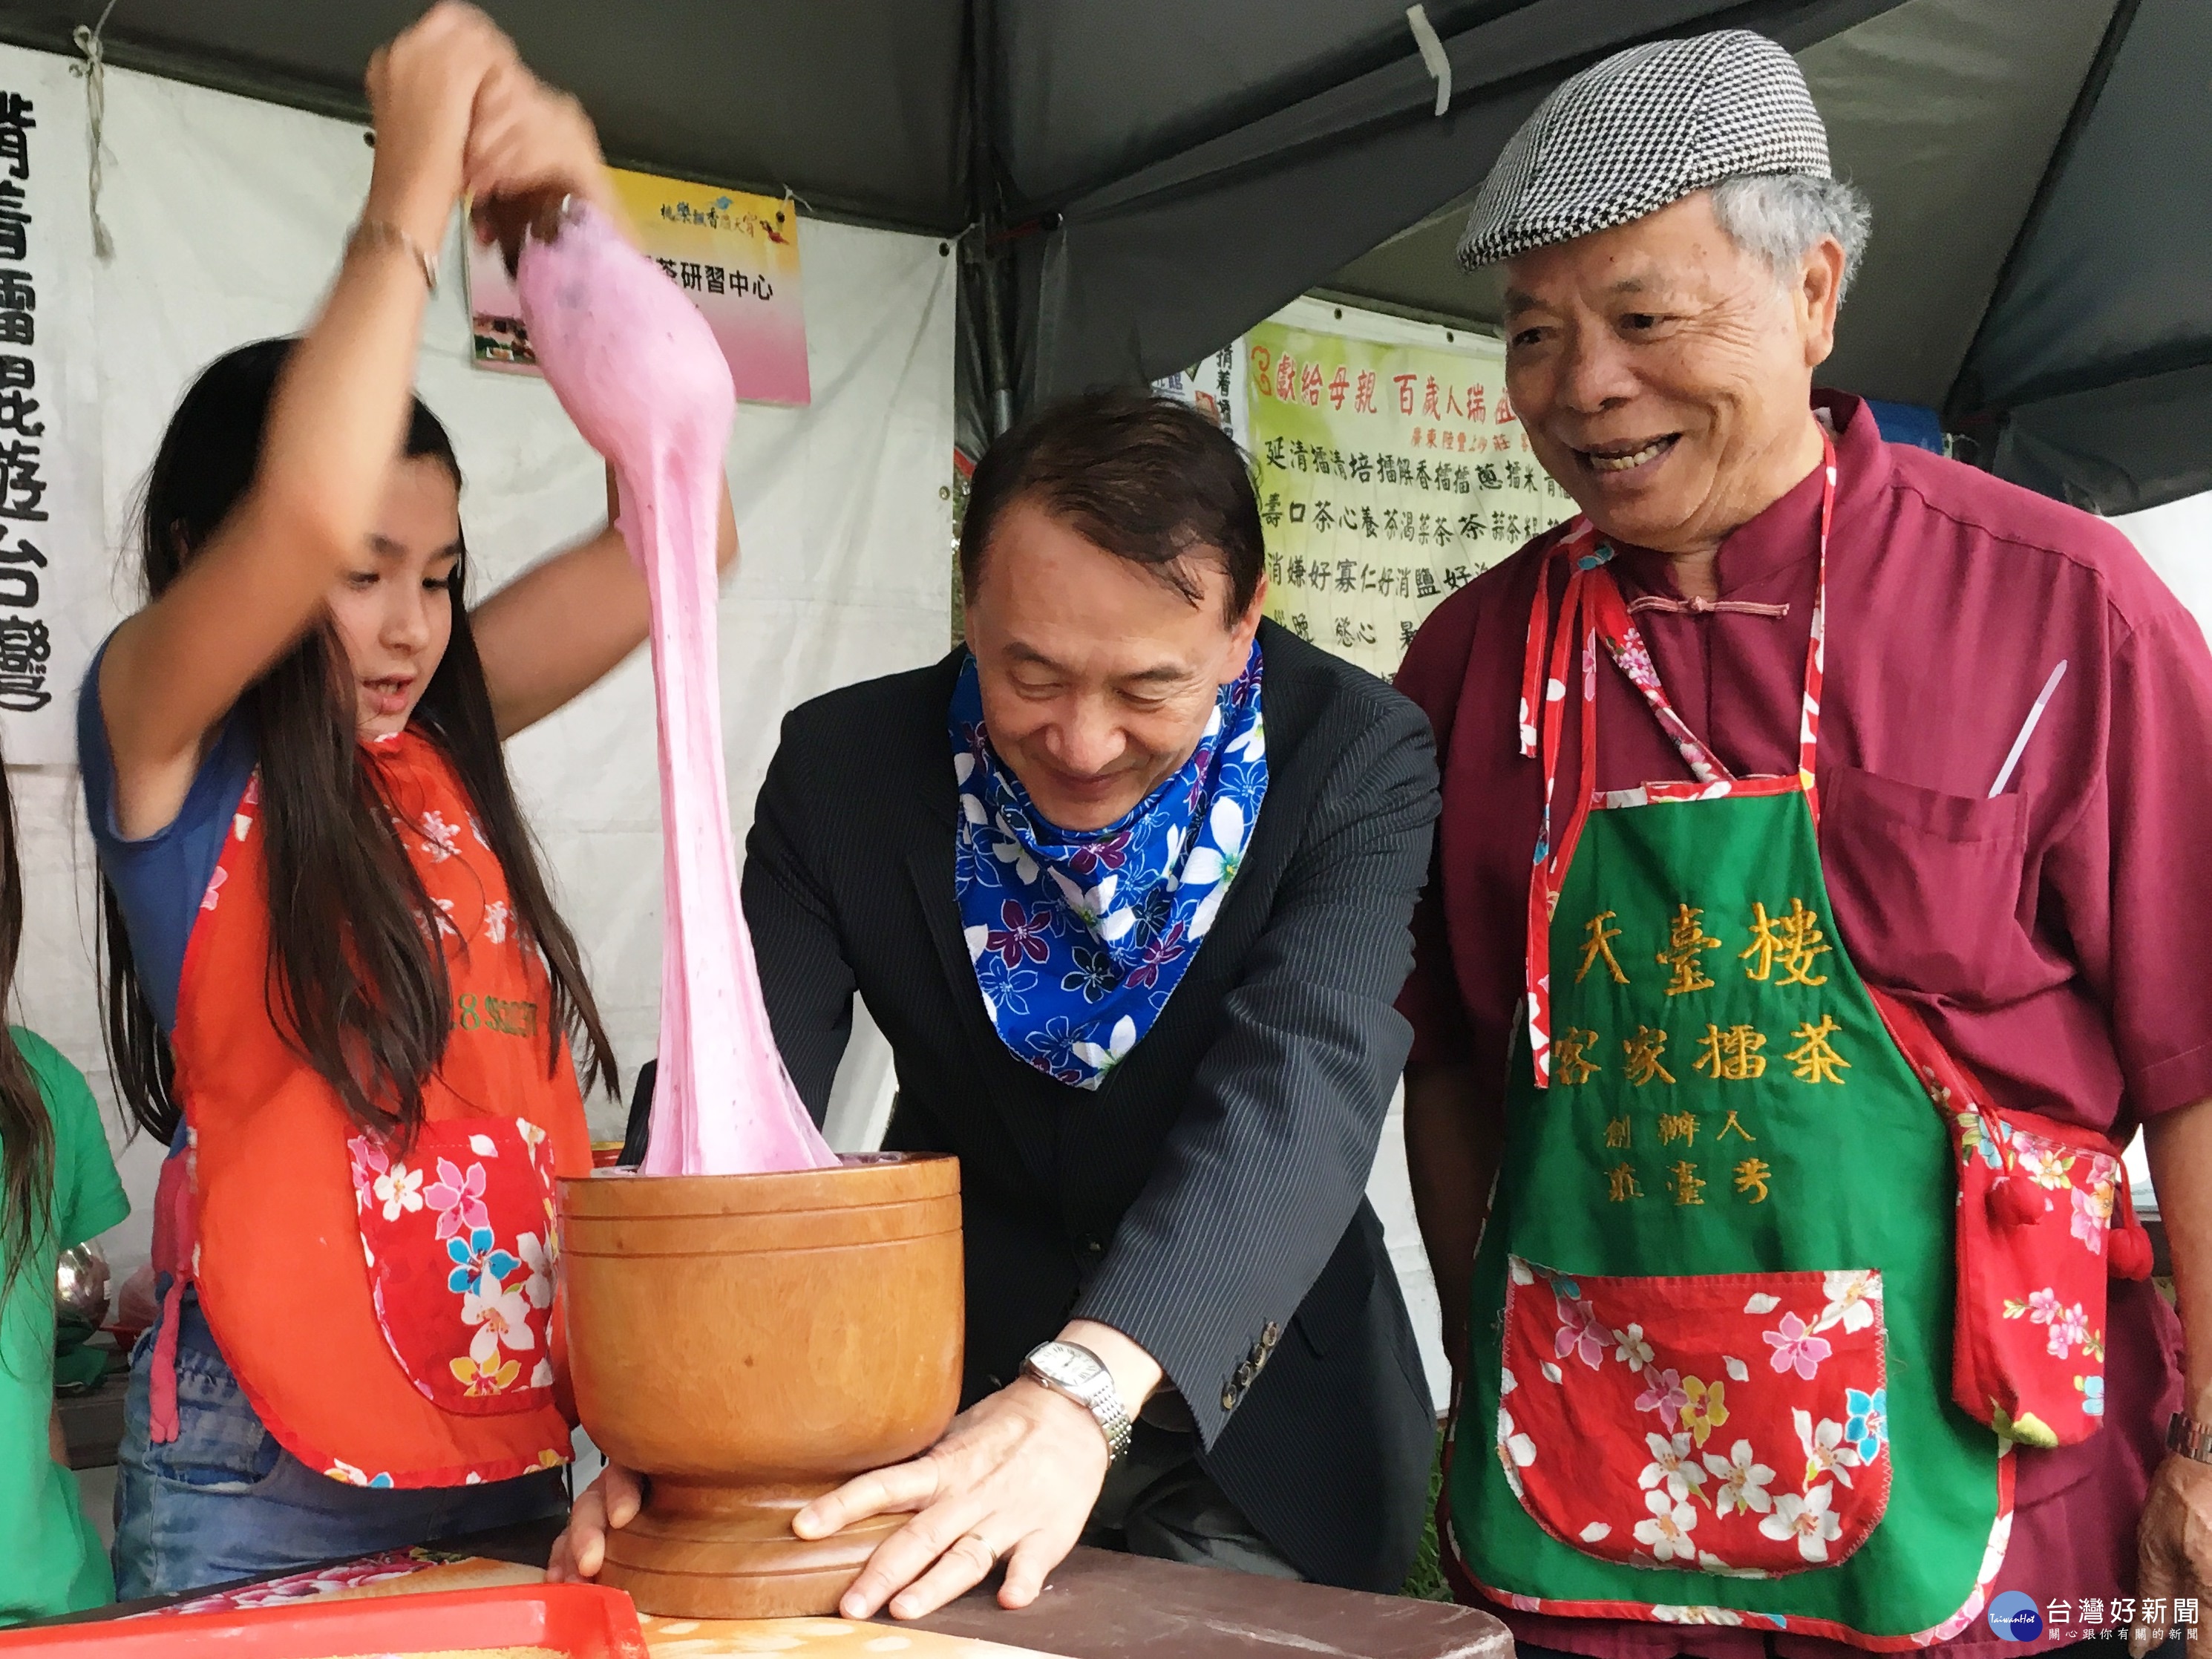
{"points": [[223, 1501]]}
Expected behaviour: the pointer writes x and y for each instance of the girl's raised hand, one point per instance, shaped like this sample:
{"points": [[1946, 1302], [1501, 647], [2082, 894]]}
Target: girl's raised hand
{"points": [[333, 431], [422, 90], [528, 139]]}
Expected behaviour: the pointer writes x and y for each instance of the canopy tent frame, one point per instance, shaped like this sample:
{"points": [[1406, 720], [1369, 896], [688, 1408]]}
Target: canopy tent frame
{"points": [[1129, 191]]}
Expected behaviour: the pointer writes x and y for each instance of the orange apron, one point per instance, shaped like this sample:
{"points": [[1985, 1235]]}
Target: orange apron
{"points": [[388, 1310]]}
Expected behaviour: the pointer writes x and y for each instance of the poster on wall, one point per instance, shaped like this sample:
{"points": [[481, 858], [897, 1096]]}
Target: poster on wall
{"points": [[1392, 472], [735, 256], [1215, 388], [52, 561]]}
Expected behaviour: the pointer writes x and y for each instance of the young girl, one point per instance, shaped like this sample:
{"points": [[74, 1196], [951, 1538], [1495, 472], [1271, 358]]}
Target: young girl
{"points": [[333, 954], [57, 1187]]}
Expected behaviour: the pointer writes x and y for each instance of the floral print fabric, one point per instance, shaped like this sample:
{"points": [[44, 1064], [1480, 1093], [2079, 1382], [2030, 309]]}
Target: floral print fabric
{"points": [[1079, 940], [2045, 1222], [1734, 1424], [461, 1238]]}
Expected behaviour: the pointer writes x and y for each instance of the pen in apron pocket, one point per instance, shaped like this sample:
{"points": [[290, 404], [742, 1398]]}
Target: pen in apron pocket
{"points": [[2027, 729]]}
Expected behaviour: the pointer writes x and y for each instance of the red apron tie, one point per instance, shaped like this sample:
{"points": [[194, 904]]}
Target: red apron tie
{"points": [[173, 1255]]}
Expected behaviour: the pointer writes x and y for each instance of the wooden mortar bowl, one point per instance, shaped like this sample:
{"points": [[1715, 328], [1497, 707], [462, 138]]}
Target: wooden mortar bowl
{"points": [[748, 1343]]}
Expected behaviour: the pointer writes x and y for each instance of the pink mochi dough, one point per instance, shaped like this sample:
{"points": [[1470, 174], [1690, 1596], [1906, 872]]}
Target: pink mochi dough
{"points": [[639, 373]]}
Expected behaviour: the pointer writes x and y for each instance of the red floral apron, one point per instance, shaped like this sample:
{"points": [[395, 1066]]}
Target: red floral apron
{"points": [[388, 1309]]}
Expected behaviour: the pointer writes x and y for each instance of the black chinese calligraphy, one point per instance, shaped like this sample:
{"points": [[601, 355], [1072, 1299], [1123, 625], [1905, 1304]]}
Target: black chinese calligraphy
{"points": [[694, 277]]}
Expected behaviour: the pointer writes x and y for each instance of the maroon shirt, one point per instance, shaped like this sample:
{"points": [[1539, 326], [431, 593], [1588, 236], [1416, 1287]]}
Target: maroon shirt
{"points": [[2050, 935]]}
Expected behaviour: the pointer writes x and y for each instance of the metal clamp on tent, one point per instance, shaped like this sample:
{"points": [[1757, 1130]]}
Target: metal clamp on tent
{"points": [[1432, 54]]}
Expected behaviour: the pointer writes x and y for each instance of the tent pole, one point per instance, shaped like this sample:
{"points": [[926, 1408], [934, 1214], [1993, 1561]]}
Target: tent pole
{"points": [[994, 343], [988, 252]]}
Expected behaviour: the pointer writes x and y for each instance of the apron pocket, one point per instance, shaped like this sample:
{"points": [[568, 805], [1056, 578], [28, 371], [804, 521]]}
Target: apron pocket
{"points": [[2045, 1222], [1953, 930], [1732, 1423], [461, 1243]]}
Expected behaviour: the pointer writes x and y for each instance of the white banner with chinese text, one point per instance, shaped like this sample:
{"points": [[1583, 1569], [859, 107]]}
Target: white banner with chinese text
{"points": [[1392, 472], [52, 552]]}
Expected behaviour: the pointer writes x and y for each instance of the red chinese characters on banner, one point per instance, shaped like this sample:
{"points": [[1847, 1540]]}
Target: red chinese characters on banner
{"points": [[1286, 378]]}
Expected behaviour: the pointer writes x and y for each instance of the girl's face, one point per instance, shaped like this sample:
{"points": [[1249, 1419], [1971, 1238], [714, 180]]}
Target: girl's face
{"points": [[394, 608]]}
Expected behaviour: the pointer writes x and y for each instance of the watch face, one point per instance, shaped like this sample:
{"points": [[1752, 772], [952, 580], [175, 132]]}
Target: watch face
{"points": [[1066, 1365]]}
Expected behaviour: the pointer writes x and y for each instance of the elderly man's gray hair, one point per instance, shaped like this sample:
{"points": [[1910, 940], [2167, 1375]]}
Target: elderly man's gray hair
{"points": [[1781, 216]]}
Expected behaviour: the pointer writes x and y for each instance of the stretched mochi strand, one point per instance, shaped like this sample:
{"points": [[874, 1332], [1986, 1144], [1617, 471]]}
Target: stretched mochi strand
{"points": [[639, 373]]}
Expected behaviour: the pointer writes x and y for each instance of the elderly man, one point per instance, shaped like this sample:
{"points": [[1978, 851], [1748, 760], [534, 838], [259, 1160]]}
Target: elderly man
{"points": [[1135, 947], [1854, 780]]}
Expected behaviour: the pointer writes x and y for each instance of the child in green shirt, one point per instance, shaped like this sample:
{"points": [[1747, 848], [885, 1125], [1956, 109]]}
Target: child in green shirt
{"points": [[57, 1187]]}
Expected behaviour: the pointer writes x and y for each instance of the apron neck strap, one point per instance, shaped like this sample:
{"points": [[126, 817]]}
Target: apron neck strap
{"points": [[1594, 598], [1808, 725]]}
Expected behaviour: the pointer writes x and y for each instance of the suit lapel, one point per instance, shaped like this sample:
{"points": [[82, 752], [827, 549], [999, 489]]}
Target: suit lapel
{"points": [[930, 868], [1293, 700]]}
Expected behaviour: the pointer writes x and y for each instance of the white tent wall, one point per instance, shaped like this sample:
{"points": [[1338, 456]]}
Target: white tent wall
{"points": [[2176, 540], [228, 216]]}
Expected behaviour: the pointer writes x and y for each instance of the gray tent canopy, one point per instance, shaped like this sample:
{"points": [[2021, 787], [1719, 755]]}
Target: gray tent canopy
{"points": [[2094, 366], [1132, 183], [2041, 235]]}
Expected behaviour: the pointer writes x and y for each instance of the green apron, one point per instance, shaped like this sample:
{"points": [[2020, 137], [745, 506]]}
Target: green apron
{"points": [[1711, 1321]]}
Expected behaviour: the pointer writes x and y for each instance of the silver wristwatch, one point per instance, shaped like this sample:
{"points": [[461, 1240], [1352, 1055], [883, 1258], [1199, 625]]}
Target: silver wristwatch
{"points": [[2185, 1435], [1070, 1368]]}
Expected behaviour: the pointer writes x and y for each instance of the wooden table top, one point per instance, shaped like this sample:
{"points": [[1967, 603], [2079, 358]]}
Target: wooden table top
{"points": [[1103, 1605]]}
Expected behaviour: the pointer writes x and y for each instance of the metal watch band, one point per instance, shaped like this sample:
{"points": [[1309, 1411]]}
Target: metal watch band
{"points": [[2192, 1439], [1113, 1421], [1105, 1407]]}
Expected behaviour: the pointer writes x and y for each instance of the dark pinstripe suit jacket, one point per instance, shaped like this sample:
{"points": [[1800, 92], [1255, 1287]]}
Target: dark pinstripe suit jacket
{"points": [[1208, 1199]]}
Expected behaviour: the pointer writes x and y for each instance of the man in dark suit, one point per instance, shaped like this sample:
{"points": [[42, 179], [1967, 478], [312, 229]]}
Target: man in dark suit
{"points": [[1135, 948]]}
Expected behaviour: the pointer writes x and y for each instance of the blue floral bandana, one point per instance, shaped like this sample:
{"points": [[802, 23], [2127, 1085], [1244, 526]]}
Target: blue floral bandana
{"points": [[1079, 938]]}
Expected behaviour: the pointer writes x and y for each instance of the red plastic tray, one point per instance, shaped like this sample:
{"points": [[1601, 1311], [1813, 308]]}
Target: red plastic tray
{"points": [[578, 1621]]}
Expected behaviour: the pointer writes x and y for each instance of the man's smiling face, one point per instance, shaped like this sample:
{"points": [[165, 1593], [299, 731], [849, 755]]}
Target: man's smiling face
{"points": [[1662, 371], [1098, 676]]}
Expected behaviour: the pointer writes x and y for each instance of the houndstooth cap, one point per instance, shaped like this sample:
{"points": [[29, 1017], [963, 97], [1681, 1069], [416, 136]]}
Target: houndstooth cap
{"points": [[1644, 128]]}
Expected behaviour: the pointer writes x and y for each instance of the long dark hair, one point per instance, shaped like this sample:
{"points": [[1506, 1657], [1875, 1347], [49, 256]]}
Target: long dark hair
{"points": [[354, 983], [27, 1134]]}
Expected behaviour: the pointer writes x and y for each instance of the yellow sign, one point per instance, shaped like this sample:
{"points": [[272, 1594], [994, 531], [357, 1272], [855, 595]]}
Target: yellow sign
{"points": [[1391, 475], [736, 257]]}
